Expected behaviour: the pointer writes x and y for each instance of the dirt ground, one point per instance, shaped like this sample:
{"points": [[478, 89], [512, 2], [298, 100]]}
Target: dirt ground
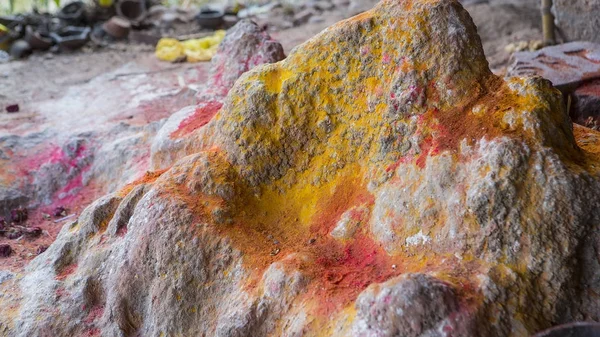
{"points": [[46, 76]]}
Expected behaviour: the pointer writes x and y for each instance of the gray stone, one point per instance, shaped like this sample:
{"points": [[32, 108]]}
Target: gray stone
{"points": [[578, 20], [11, 198]]}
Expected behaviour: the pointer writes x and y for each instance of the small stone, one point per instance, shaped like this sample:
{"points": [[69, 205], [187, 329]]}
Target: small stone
{"points": [[33, 232], [5, 250], [13, 234], [19, 215], [312, 241], [12, 108], [4, 56], [275, 251], [41, 249], [59, 212], [20, 49]]}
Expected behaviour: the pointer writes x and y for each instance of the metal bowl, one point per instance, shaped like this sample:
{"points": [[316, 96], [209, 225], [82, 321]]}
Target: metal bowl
{"points": [[71, 37], [210, 18]]}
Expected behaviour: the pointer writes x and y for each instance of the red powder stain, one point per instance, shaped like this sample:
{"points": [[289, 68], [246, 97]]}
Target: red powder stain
{"points": [[92, 332], [122, 231], [364, 50], [66, 271], [72, 186], [94, 314], [343, 199], [61, 292], [386, 58], [426, 145], [53, 154], [358, 214], [346, 270], [204, 113]]}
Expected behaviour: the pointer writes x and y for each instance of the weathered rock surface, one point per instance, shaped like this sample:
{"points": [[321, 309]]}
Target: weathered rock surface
{"points": [[380, 181], [578, 20]]}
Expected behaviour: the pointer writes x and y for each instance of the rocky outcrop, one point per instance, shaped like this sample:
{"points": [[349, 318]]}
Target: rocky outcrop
{"points": [[380, 181]]}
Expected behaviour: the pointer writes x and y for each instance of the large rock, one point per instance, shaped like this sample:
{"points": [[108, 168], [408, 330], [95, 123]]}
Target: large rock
{"points": [[380, 181], [578, 20]]}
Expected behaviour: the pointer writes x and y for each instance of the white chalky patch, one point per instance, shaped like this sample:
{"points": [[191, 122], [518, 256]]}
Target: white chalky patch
{"points": [[418, 238]]}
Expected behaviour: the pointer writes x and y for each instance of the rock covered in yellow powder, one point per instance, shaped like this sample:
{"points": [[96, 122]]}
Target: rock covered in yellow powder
{"points": [[192, 50], [380, 181]]}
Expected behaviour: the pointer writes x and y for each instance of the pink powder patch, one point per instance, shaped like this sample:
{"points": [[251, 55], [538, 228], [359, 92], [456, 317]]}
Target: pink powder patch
{"points": [[204, 113]]}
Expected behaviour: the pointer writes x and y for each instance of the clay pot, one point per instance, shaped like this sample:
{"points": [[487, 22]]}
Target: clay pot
{"points": [[117, 27], [210, 18], [132, 10], [38, 40]]}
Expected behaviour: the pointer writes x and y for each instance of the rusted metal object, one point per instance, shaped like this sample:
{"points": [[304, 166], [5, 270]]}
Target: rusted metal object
{"points": [[548, 23]]}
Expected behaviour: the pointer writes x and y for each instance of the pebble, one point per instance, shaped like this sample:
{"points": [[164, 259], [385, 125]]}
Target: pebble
{"points": [[12, 108], [5, 250]]}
